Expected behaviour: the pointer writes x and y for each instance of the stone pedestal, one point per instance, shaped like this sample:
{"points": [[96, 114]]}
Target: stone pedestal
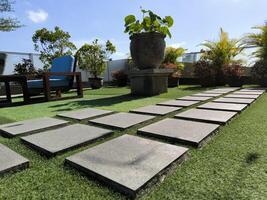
{"points": [[149, 82]]}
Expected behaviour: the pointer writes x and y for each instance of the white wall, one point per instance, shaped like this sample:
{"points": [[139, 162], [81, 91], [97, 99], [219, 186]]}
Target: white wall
{"points": [[112, 66]]}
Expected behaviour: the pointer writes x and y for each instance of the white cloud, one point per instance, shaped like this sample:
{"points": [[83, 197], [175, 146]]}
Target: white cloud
{"points": [[37, 16]]}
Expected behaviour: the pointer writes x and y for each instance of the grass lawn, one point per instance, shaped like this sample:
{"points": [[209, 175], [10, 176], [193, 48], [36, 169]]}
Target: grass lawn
{"points": [[233, 165]]}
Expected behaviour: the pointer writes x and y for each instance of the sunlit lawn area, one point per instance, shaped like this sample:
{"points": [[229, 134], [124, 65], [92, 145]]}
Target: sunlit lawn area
{"points": [[233, 165]]}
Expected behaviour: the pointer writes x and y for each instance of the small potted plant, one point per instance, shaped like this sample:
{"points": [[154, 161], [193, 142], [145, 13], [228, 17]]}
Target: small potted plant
{"points": [[92, 58], [120, 78], [171, 62], [233, 75], [148, 38]]}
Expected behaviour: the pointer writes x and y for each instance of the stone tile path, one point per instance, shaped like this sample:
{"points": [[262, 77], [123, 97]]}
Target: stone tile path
{"points": [[177, 130], [60, 140], [215, 116], [122, 120], [11, 161], [127, 163], [156, 110], [30, 126], [84, 113]]}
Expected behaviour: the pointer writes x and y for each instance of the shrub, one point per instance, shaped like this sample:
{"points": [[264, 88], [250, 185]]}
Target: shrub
{"points": [[221, 53], [120, 77], [233, 75], [259, 72], [176, 71], [205, 73], [171, 60], [259, 40], [25, 68]]}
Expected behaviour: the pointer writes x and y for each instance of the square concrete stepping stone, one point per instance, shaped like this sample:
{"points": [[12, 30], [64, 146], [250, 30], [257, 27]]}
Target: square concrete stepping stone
{"points": [[216, 92], [242, 96], [227, 89], [206, 95], [223, 106], [10, 160], [249, 93], [127, 163], [214, 116], [178, 103], [194, 98], [252, 90], [122, 120], [156, 110], [234, 100], [60, 140], [84, 113], [30, 126], [178, 130]]}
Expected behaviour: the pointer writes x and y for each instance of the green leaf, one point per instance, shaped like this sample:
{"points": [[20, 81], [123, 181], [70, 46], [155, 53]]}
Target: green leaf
{"points": [[169, 21], [129, 19], [169, 33]]}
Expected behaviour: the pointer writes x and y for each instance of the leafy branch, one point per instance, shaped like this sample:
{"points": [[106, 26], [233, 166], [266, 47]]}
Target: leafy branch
{"points": [[151, 23]]}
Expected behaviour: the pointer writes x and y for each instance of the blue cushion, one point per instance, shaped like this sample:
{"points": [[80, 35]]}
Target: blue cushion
{"points": [[38, 84], [62, 64]]}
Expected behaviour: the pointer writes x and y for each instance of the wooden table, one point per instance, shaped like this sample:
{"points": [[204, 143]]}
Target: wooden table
{"points": [[22, 80]]}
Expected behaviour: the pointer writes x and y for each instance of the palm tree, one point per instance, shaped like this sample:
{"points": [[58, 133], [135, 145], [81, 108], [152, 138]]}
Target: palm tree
{"points": [[222, 53], [258, 40]]}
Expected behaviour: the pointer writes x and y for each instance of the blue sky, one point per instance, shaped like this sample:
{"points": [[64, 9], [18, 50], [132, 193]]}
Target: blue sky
{"points": [[85, 20]]}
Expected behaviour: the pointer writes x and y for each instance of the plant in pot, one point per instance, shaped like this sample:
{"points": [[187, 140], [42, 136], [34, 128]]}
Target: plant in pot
{"points": [[233, 75], [148, 38], [221, 53], [259, 40], [171, 62], [120, 78], [92, 58]]}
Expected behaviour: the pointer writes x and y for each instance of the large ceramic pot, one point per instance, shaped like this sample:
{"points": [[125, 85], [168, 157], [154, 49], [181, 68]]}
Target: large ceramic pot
{"points": [[147, 50], [96, 83], [173, 81]]}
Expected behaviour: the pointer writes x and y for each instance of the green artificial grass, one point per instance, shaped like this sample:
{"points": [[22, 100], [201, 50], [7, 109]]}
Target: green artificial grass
{"points": [[233, 165]]}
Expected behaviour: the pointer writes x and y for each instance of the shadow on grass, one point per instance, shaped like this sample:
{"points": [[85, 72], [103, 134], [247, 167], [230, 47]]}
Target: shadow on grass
{"points": [[4, 120], [252, 157], [193, 88], [109, 101]]}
